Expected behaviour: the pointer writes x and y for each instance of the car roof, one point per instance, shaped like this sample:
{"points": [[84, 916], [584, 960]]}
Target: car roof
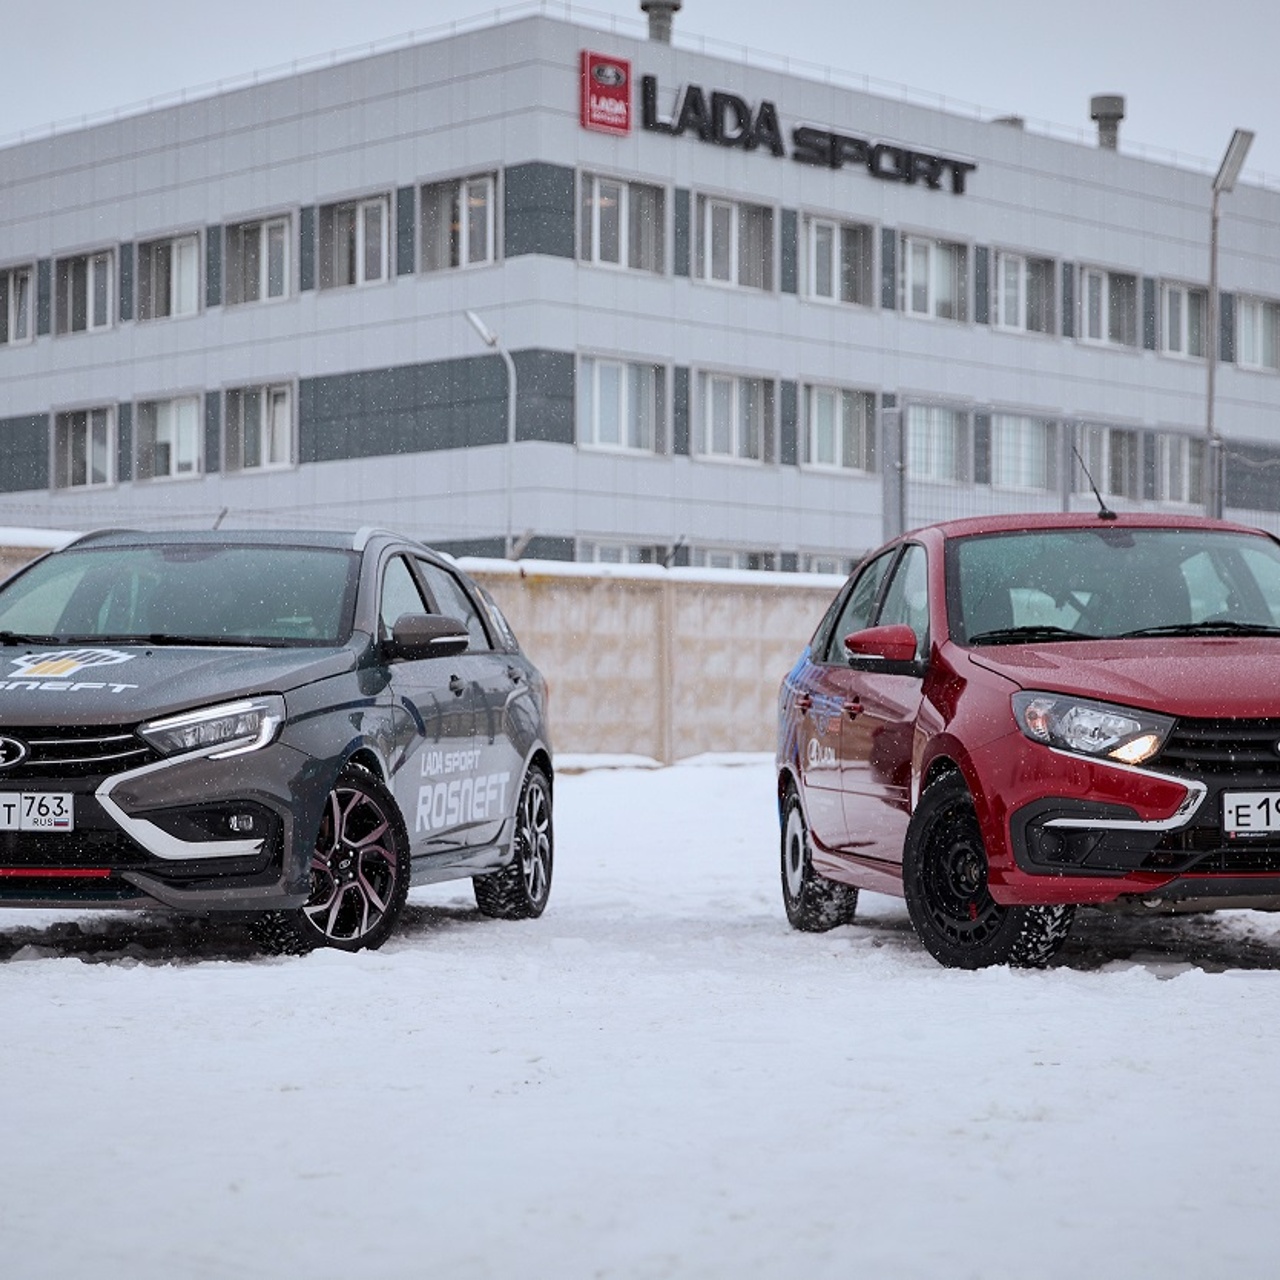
{"points": [[322, 538], [1029, 522]]}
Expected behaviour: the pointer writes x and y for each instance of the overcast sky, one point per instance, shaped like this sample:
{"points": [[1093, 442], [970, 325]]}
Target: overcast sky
{"points": [[1191, 73]]}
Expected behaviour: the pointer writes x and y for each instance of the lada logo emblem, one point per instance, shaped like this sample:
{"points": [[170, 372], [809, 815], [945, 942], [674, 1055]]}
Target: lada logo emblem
{"points": [[609, 74], [11, 752]]}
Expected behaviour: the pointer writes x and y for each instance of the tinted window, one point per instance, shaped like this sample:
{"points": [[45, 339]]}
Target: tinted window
{"points": [[906, 603], [400, 595], [859, 606], [453, 601]]}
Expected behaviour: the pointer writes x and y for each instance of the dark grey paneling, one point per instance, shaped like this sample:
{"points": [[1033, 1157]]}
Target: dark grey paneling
{"points": [[1251, 477], [1068, 300], [789, 562], [307, 248], [982, 285], [24, 453], [680, 233], [1149, 464], [126, 282], [546, 547], [680, 556], [447, 404], [1148, 313], [888, 268], [981, 448], [680, 410], [487, 548], [790, 264], [44, 296], [406, 221], [212, 431], [213, 266], [788, 449], [1227, 327], [124, 442], [538, 209]]}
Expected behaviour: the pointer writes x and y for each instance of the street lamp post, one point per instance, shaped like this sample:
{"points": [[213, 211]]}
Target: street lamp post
{"points": [[1214, 457], [490, 339]]}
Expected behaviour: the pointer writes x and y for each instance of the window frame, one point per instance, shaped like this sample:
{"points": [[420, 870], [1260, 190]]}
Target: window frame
{"points": [[1266, 314], [452, 239], [62, 448], [236, 261], [11, 309], [1011, 468], [1025, 319], [64, 290], [147, 473], [233, 445], [1100, 444], [740, 214], [634, 253], [1109, 308], [936, 271], [147, 276], [850, 273], [631, 373], [708, 380], [862, 436], [329, 242], [1183, 296], [959, 424]]}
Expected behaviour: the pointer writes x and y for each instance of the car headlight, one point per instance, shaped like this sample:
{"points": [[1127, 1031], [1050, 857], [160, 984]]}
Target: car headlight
{"points": [[237, 727], [1091, 728]]}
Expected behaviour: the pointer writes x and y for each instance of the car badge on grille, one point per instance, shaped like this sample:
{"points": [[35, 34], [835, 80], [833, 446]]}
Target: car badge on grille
{"points": [[12, 752]]}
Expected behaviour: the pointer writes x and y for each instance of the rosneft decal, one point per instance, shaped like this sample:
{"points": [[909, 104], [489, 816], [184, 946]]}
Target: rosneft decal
{"points": [[50, 672]]}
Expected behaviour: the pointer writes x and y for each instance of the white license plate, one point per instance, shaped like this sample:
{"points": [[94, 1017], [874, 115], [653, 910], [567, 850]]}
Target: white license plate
{"points": [[1251, 813], [36, 811]]}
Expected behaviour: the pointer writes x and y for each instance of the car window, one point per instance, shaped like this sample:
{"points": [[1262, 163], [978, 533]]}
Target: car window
{"points": [[859, 606], [906, 602], [400, 595], [502, 629], [454, 602]]}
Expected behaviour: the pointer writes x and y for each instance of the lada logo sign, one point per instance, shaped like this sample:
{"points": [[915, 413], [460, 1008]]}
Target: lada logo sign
{"points": [[605, 93], [12, 752]]}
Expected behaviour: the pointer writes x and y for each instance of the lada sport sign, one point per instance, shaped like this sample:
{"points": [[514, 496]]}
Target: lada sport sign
{"points": [[728, 120]]}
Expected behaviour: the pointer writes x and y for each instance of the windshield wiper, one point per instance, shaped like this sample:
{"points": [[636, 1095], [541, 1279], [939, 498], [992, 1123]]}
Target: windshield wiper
{"points": [[158, 638], [1209, 627], [1028, 635], [17, 637]]}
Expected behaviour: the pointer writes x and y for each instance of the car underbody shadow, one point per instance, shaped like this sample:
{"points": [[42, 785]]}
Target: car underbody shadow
{"points": [[1212, 941]]}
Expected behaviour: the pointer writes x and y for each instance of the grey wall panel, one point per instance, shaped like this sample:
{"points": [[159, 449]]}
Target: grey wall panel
{"points": [[546, 396], [406, 223], [1227, 327], [124, 442], [790, 263], [680, 410], [44, 296], [126, 281], [307, 248], [24, 458], [1068, 300], [538, 210], [888, 268], [982, 448], [982, 285], [213, 431], [1149, 464], [1148, 313], [1251, 477], [213, 266], [789, 446], [680, 249]]}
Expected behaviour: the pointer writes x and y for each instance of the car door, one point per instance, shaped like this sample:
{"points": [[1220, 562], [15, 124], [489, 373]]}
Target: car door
{"points": [[824, 690], [492, 776], [435, 723], [878, 727]]}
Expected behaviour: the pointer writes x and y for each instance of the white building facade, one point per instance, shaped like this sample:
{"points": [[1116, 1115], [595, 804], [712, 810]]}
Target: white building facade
{"points": [[755, 320]]}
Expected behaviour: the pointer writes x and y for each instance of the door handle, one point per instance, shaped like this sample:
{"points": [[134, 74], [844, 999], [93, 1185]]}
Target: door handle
{"points": [[803, 702], [852, 708], [457, 686], [515, 675]]}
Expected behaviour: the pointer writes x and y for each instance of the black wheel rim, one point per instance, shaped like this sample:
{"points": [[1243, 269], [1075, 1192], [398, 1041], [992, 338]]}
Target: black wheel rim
{"points": [[533, 837], [953, 880], [353, 868]]}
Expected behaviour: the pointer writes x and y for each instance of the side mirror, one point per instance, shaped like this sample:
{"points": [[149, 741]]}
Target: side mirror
{"points": [[891, 650], [426, 635]]}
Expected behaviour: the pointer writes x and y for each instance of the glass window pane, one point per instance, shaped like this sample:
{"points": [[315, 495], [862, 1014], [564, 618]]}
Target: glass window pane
{"points": [[609, 397], [609, 215], [277, 247]]}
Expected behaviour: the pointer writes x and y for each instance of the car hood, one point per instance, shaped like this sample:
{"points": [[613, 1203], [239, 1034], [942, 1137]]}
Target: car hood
{"points": [[1200, 677], [120, 683]]}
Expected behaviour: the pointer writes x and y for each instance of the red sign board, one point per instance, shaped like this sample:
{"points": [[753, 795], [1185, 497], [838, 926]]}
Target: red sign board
{"points": [[606, 93]]}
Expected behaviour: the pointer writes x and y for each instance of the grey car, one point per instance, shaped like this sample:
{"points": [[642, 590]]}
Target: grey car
{"points": [[298, 726]]}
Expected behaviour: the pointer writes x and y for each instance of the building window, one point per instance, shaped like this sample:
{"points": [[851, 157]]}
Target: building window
{"points": [[84, 449], [938, 444], [839, 428], [839, 261], [735, 243], [935, 278], [1025, 293], [257, 261], [617, 553], [723, 558], [1108, 307], [1258, 326], [1185, 313], [823, 562], [15, 305], [458, 227], [168, 277], [259, 431], [737, 418], [1180, 469], [85, 292], [622, 223], [353, 242], [1023, 453], [620, 404], [1112, 456], [168, 438]]}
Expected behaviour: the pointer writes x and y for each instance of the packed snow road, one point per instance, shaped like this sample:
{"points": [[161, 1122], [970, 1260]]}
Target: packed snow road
{"points": [[656, 1079]]}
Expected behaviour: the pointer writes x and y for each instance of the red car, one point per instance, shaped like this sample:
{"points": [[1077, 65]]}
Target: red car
{"points": [[1005, 718]]}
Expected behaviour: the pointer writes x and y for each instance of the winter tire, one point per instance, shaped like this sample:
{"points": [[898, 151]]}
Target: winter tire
{"points": [[520, 890], [944, 876], [814, 904], [359, 874]]}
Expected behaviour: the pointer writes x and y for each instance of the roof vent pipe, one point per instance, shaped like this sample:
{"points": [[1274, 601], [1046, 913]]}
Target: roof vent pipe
{"points": [[1108, 110], [660, 14]]}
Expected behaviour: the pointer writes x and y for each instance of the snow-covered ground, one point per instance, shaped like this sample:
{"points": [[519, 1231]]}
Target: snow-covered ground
{"points": [[656, 1079]]}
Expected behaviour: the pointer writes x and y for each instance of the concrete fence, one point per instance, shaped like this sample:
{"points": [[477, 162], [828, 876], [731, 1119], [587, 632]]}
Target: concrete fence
{"points": [[655, 662]]}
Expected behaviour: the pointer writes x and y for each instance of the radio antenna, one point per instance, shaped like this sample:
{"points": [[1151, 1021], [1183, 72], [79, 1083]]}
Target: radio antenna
{"points": [[1104, 511]]}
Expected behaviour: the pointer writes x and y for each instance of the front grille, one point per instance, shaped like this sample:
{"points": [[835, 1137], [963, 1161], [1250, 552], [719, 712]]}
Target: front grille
{"points": [[1246, 751], [96, 752]]}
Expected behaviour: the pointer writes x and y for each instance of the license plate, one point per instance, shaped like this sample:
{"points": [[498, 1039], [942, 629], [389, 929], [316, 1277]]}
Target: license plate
{"points": [[1251, 813], [36, 811]]}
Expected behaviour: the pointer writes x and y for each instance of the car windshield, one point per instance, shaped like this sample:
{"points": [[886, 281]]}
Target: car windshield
{"points": [[1111, 582], [214, 593]]}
